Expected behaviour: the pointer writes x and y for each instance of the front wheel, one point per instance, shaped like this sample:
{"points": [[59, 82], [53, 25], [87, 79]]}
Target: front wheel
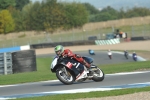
{"points": [[98, 75], [66, 78]]}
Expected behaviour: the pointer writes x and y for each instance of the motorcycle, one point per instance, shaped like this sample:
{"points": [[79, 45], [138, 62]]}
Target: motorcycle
{"points": [[68, 70], [110, 56], [91, 52], [126, 55], [135, 58]]}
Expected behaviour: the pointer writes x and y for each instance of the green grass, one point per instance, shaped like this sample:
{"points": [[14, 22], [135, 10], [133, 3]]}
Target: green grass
{"points": [[89, 94], [44, 73], [126, 67]]}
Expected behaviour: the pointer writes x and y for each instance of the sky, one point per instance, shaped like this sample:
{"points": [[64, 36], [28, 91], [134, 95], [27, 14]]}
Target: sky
{"points": [[117, 4]]}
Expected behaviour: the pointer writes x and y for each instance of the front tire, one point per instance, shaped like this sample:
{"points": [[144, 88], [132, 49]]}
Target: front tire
{"points": [[66, 79]]}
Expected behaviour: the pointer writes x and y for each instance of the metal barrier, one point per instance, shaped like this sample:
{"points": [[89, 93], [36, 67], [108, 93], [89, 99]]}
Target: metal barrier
{"points": [[5, 63], [13, 49], [140, 38], [49, 45]]}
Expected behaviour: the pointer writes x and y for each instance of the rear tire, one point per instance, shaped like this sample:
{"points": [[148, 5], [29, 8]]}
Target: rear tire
{"points": [[98, 75]]}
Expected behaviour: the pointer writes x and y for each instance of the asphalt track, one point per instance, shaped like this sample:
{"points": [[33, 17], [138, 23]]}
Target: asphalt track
{"points": [[101, 57], [56, 87]]}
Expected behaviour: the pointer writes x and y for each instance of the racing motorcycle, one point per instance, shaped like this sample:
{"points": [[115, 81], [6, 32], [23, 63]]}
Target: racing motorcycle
{"points": [[135, 57], [126, 55], [68, 70], [110, 56], [91, 52]]}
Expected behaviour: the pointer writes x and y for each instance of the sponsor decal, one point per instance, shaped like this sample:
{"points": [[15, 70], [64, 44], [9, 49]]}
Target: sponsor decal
{"points": [[69, 65], [77, 65]]}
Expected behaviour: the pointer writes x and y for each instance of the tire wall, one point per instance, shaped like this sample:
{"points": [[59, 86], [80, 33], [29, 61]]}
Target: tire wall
{"points": [[24, 61]]}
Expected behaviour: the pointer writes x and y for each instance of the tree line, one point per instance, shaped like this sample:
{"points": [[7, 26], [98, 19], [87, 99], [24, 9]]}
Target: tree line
{"points": [[52, 15], [109, 13]]}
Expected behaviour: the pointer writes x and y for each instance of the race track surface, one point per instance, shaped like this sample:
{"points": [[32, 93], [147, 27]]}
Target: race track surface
{"points": [[100, 58], [56, 87]]}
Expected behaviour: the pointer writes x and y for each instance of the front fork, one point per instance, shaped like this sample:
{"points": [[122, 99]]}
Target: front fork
{"points": [[64, 69]]}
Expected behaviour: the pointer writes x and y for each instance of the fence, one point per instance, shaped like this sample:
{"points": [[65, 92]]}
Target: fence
{"points": [[133, 27]]}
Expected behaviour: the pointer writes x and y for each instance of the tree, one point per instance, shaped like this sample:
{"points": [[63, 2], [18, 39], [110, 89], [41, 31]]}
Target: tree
{"points": [[53, 15], [4, 4], [18, 18], [7, 22], [111, 11], [76, 15], [103, 17], [26, 16], [21, 3], [1, 25], [105, 14], [36, 17], [137, 11], [91, 9], [121, 13]]}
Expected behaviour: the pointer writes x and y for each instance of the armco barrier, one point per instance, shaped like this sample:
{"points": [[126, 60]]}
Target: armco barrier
{"points": [[140, 38], [13, 49], [107, 42], [5, 63], [74, 43]]}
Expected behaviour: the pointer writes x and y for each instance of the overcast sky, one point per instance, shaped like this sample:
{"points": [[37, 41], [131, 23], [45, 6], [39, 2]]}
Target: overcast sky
{"points": [[96, 3], [113, 3]]}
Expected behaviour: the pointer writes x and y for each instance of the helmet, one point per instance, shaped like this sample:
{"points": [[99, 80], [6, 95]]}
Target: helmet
{"points": [[59, 49]]}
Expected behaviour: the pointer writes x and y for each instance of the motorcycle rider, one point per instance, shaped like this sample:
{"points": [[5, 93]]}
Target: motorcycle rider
{"points": [[91, 52], [125, 52], [109, 54], [59, 50], [134, 55]]}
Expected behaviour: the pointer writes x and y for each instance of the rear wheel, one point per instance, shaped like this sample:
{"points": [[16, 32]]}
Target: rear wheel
{"points": [[98, 74], [126, 56], [65, 78]]}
